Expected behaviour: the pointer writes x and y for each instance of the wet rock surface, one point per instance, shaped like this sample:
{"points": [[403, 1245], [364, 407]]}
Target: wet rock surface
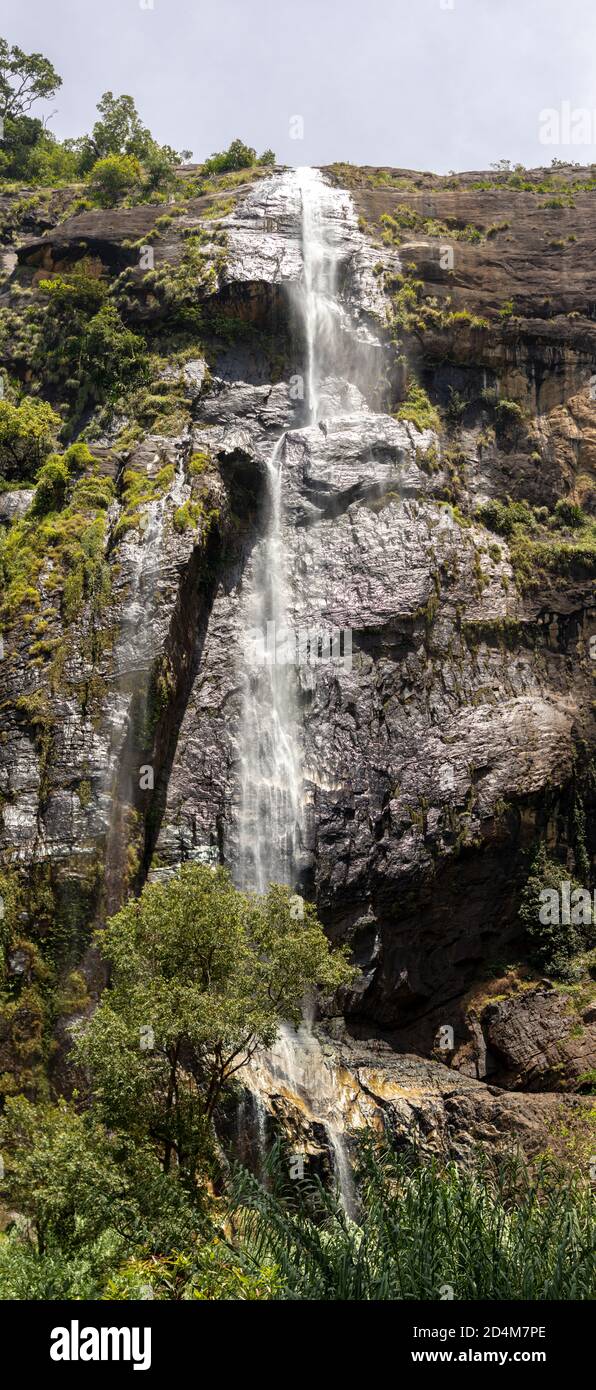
{"points": [[434, 760]]}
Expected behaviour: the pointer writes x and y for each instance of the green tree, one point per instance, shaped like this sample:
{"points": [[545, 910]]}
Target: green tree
{"points": [[553, 942], [83, 346], [201, 976], [89, 1200], [120, 131], [24, 79], [26, 434], [113, 176], [237, 156], [112, 356]]}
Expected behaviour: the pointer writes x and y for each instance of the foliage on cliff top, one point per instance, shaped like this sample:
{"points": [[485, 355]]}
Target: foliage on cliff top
{"points": [[118, 159], [237, 156]]}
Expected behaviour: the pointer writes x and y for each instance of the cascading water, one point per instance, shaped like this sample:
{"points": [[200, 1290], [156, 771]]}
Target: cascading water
{"points": [[271, 794], [337, 359], [320, 309]]}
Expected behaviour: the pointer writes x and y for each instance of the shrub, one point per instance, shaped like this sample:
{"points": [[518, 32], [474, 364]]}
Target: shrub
{"points": [[26, 434], [113, 177], [553, 943], [237, 156], [503, 517], [199, 463], [569, 513], [84, 346], [419, 409], [112, 356], [52, 483]]}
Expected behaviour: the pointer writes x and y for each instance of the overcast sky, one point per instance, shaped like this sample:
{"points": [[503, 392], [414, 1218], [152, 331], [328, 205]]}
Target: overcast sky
{"points": [[423, 84]]}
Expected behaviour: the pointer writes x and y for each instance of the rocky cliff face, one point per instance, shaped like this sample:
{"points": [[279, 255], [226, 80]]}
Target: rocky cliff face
{"points": [[460, 737]]}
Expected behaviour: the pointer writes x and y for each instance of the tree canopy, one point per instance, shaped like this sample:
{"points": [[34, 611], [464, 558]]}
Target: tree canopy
{"points": [[26, 434], [201, 976], [24, 79]]}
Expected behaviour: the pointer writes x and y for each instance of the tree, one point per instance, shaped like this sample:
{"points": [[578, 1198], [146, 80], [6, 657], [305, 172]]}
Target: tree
{"points": [[553, 941], [24, 79], [237, 156], [26, 434], [89, 1198], [112, 356], [83, 344], [113, 176], [121, 132], [201, 976]]}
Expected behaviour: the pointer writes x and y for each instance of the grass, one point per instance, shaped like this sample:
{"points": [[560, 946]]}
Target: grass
{"points": [[413, 311], [495, 1231], [562, 542], [418, 409], [406, 219]]}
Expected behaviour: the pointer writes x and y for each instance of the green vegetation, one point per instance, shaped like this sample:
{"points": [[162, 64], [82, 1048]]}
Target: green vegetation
{"points": [[129, 1183], [213, 973], [102, 1220], [86, 1199], [26, 434], [114, 176], [413, 311], [554, 942], [418, 409], [187, 516], [541, 543], [61, 538], [137, 489], [29, 152], [83, 347], [406, 219], [180, 288], [119, 159], [237, 156], [487, 1232]]}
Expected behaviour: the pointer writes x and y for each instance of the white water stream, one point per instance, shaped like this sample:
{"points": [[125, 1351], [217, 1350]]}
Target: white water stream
{"points": [[272, 799], [271, 787]]}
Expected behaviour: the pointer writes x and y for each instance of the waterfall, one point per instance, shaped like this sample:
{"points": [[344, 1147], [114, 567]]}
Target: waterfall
{"points": [[271, 794], [337, 357], [296, 1067], [320, 310]]}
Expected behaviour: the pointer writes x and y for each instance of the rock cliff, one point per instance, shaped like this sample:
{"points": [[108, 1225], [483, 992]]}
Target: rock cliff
{"points": [[460, 737]]}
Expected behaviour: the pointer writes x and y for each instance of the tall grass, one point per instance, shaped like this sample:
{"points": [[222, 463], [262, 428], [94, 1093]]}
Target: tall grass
{"points": [[492, 1231]]}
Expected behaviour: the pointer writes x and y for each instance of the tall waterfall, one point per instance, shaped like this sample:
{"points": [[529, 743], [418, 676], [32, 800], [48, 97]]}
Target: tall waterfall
{"points": [[319, 290], [271, 791], [272, 798]]}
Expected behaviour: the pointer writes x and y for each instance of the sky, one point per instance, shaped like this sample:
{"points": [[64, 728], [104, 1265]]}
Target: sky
{"points": [[420, 84]]}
